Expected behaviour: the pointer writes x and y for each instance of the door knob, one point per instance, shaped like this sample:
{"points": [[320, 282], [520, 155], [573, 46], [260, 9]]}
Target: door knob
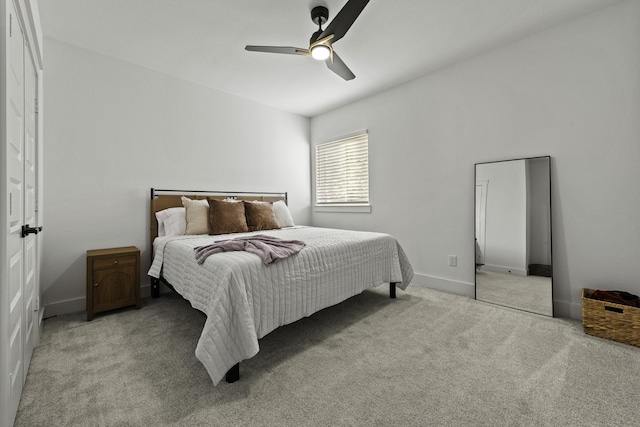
{"points": [[26, 230]]}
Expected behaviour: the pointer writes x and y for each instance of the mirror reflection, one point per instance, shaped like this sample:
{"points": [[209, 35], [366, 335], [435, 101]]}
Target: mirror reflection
{"points": [[513, 234]]}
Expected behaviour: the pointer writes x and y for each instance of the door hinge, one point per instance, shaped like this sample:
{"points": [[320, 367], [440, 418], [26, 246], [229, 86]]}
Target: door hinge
{"points": [[36, 304], [37, 105], [10, 25]]}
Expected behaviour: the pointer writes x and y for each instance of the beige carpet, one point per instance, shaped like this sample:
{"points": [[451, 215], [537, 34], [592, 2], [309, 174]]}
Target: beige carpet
{"points": [[427, 358]]}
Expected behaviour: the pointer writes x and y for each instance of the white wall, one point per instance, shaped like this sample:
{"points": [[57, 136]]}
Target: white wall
{"points": [[572, 92], [113, 130]]}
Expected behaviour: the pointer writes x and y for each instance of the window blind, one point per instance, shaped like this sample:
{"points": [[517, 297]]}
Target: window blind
{"points": [[342, 171]]}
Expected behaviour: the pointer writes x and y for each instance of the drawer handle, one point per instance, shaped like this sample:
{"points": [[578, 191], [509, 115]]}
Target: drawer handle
{"points": [[115, 262], [95, 285], [614, 309]]}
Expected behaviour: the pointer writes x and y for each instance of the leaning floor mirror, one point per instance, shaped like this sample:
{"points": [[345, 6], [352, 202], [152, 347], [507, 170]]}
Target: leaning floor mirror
{"points": [[513, 234]]}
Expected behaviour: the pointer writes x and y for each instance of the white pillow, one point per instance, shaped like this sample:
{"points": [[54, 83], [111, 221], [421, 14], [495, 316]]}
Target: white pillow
{"points": [[283, 216], [197, 216], [171, 222]]}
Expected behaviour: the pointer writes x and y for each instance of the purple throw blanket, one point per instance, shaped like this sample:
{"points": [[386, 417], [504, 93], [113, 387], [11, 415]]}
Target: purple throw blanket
{"points": [[268, 248]]}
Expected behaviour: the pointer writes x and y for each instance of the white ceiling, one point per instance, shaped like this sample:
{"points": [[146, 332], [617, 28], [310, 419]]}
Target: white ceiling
{"points": [[390, 43]]}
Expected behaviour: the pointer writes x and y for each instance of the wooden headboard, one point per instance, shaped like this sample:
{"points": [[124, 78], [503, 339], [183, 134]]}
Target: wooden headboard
{"points": [[163, 199]]}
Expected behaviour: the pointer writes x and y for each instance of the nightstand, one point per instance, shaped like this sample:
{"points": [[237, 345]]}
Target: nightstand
{"points": [[113, 279]]}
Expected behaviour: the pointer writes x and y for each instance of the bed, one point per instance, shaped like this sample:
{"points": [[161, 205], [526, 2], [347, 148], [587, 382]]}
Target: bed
{"points": [[242, 297]]}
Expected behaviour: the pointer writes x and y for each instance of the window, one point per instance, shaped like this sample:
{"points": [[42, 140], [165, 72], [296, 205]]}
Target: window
{"points": [[342, 171]]}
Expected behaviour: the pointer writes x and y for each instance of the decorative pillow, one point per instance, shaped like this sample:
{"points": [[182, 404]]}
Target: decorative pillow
{"points": [[196, 216], [171, 221], [226, 217], [283, 216], [260, 216]]}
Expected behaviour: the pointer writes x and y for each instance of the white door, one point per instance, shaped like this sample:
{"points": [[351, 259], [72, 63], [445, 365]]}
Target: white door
{"points": [[481, 210], [30, 241], [19, 252], [15, 157]]}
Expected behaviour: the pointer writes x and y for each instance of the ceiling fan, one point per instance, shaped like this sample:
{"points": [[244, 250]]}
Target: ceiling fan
{"points": [[321, 42]]}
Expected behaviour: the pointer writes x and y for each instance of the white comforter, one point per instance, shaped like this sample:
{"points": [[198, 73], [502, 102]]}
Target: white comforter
{"points": [[244, 299]]}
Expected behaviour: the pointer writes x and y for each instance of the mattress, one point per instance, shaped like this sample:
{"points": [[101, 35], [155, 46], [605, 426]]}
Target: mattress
{"points": [[245, 299]]}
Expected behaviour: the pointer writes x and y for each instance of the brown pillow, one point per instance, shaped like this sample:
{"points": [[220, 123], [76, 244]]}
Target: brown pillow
{"points": [[226, 217], [260, 216]]}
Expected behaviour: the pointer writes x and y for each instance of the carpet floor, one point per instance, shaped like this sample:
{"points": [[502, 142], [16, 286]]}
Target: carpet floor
{"points": [[426, 358], [528, 293]]}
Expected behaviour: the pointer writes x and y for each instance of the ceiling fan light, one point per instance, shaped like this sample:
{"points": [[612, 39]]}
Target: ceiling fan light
{"points": [[320, 52]]}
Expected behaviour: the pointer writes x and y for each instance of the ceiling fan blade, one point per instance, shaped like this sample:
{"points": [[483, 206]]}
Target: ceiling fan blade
{"points": [[278, 49], [322, 40], [344, 19], [339, 67]]}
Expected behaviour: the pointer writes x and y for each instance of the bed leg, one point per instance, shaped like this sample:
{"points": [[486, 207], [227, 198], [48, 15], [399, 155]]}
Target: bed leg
{"points": [[155, 287], [233, 374], [392, 290]]}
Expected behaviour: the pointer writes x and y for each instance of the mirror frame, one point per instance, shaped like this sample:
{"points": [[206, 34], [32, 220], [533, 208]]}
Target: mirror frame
{"points": [[475, 280]]}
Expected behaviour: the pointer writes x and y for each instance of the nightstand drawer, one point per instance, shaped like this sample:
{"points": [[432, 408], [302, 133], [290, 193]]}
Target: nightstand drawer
{"points": [[113, 262]]}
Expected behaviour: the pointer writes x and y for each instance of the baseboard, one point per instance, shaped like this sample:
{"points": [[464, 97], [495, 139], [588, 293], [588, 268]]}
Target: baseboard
{"points": [[445, 285], [59, 308], [503, 269], [560, 308], [567, 309], [79, 304]]}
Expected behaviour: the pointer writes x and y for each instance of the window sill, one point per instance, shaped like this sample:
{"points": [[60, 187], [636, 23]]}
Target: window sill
{"points": [[343, 208]]}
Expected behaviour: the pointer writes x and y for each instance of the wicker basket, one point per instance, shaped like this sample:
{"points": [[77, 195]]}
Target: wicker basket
{"points": [[608, 320]]}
